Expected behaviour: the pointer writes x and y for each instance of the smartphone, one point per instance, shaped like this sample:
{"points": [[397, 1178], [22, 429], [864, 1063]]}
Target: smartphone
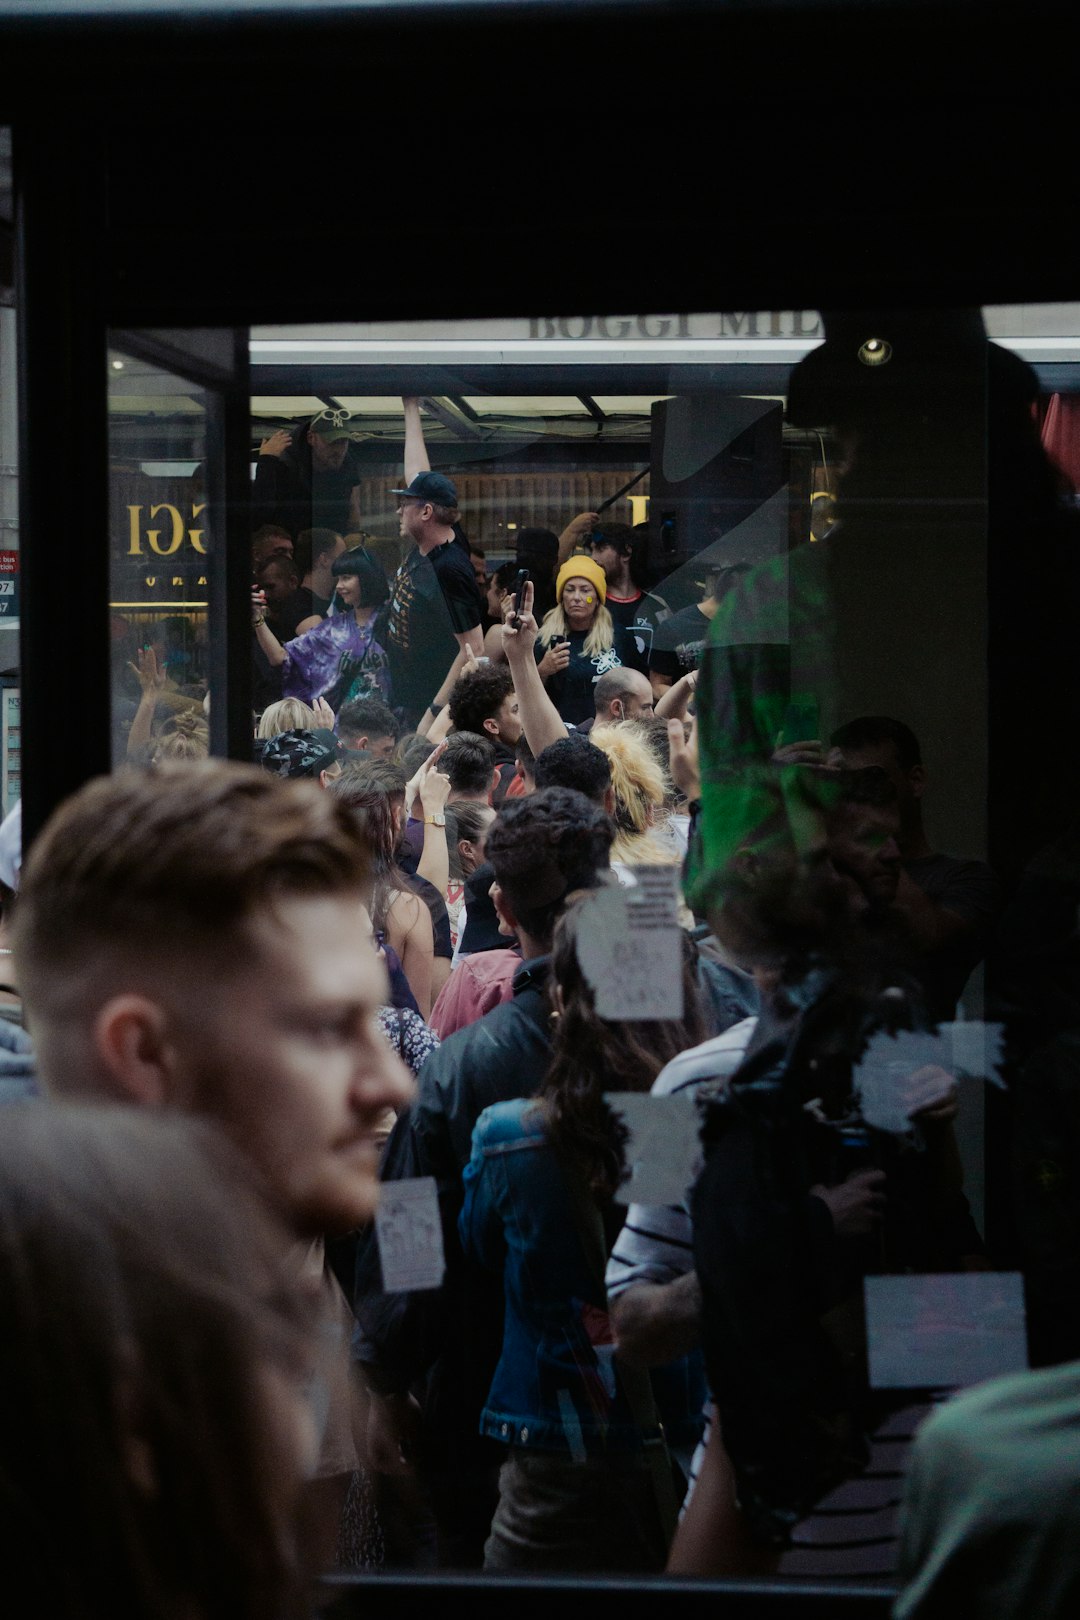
{"points": [[802, 719], [519, 588]]}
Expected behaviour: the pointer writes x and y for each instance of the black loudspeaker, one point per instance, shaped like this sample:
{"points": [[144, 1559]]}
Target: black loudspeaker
{"points": [[716, 484]]}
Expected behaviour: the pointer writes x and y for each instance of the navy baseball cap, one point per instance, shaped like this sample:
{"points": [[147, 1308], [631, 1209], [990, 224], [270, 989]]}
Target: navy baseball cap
{"points": [[430, 486]]}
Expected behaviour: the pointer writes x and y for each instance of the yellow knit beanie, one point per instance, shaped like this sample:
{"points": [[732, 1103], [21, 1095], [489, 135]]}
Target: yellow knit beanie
{"points": [[581, 567]]}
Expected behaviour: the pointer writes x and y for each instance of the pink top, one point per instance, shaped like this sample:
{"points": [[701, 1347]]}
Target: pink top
{"points": [[478, 983]]}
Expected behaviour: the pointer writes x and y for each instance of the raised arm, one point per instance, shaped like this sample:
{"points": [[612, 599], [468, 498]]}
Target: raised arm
{"points": [[436, 729], [416, 456], [271, 646], [574, 533], [540, 719], [152, 681], [433, 790], [673, 703], [469, 641]]}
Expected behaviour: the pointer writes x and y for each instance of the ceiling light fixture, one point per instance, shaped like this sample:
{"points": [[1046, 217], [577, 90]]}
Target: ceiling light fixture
{"points": [[875, 352]]}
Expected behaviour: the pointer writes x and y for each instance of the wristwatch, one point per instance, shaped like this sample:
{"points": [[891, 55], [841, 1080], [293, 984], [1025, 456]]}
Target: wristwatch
{"points": [[437, 820]]}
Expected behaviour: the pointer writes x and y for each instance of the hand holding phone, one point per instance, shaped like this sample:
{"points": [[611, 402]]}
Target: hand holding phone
{"points": [[519, 593]]}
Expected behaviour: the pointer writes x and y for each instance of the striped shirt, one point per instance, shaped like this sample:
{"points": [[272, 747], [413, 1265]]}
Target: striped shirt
{"points": [[851, 1533], [656, 1245]]}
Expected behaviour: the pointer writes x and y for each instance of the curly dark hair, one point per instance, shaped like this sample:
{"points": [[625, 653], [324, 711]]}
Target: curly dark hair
{"points": [[478, 696], [591, 1055], [542, 848], [574, 762]]}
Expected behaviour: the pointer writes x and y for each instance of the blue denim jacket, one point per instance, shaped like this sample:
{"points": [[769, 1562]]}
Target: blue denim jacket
{"points": [[557, 1385]]}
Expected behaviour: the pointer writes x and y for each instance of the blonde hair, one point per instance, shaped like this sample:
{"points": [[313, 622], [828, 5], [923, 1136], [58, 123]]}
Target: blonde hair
{"points": [[288, 714], [185, 736], [601, 636], [639, 787]]}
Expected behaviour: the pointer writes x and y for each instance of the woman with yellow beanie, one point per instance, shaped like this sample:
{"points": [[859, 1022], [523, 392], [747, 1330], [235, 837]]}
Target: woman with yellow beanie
{"points": [[581, 630]]}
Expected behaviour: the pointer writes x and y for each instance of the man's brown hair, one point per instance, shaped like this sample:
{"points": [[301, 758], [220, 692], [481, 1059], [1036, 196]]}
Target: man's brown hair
{"points": [[173, 859]]}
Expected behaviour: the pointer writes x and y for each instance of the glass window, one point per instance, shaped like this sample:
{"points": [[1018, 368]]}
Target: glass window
{"points": [[180, 574], [160, 595], [10, 582], [798, 536], [792, 534]]}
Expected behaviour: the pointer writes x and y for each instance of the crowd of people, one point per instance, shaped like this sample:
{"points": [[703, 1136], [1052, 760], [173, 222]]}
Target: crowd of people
{"points": [[270, 1025]]}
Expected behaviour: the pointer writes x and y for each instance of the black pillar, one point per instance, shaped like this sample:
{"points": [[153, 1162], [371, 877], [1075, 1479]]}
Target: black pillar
{"points": [[228, 488], [60, 191]]}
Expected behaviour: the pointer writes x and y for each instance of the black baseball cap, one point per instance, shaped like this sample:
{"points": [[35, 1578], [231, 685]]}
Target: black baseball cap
{"points": [[430, 486], [298, 753]]}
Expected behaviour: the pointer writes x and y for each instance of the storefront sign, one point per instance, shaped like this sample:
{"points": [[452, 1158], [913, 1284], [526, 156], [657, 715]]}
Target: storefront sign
{"points": [[775, 323], [10, 743], [163, 531], [9, 584]]}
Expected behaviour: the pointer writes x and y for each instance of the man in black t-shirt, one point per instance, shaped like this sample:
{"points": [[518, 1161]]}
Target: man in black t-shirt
{"points": [[279, 581], [309, 477], [434, 613], [315, 553], [620, 553], [680, 640]]}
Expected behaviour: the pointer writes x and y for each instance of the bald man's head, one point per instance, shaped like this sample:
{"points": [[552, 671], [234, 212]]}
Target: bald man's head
{"points": [[622, 694]]}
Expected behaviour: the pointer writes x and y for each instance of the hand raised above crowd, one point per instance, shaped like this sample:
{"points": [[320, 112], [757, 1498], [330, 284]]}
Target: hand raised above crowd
{"points": [[433, 785], [519, 628], [150, 677], [413, 800], [324, 714], [683, 755]]}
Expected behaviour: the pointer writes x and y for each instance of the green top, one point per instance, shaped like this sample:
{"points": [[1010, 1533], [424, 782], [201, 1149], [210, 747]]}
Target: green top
{"points": [[990, 1527]]}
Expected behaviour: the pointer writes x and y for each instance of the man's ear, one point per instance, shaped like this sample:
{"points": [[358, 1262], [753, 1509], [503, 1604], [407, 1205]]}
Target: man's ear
{"points": [[503, 909], [133, 1044], [609, 801], [618, 711], [491, 726], [917, 777]]}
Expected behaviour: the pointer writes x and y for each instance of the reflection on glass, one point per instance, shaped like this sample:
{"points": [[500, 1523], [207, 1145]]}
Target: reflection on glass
{"points": [[722, 621], [159, 584]]}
